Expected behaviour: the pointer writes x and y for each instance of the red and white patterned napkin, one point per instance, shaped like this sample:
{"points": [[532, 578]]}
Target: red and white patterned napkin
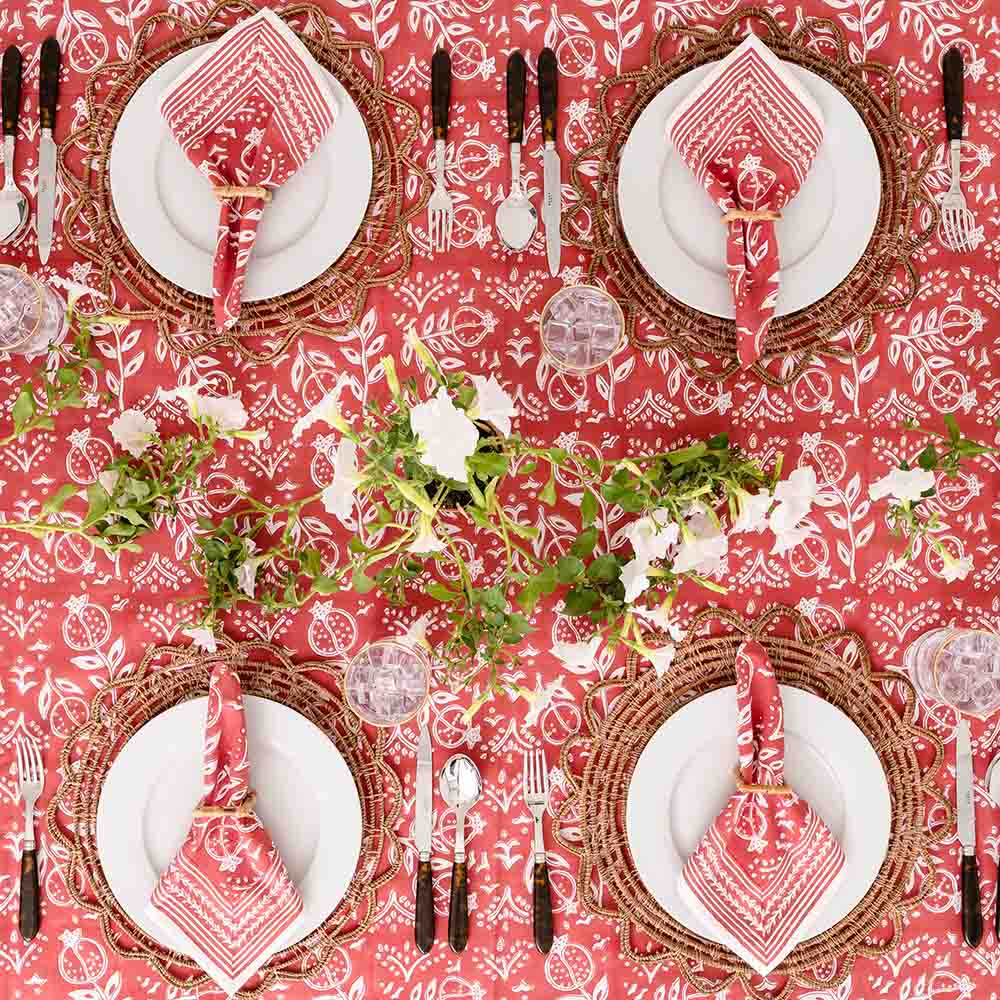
{"points": [[248, 113], [749, 132], [768, 863], [227, 892]]}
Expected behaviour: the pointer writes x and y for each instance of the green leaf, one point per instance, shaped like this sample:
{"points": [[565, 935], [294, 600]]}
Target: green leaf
{"points": [[522, 530], [488, 464], [718, 443], [441, 593], [579, 600], [356, 546], [133, 517], [604, 569], [952, 424], [517, 628], [547, 494], [361, 582], [325, 585], [528, 468], [24, 407], [584, 544], [927, 459], [588, 508], [54, 504], [97, 499], [311, 561], [569, 568], [682, 455]]}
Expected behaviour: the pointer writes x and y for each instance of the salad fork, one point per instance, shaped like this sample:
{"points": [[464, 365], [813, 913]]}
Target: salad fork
{"points": [[958, 225], [536, 798], [440, 209], [31, 775]]}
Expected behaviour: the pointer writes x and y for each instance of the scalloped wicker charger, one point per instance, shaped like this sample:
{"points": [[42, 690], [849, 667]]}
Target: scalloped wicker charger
{"points": [[167, 676], [379, 254], [885, 277], [621, 715]]}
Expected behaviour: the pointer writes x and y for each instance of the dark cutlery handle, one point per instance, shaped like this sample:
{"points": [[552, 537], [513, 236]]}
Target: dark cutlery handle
{"points": [[10, 88], [423, 928], [548, 93], [29, 917], [48, 83], [972, 908], [517, 84], [542, 908], [458, 909], [954, 92], [996, 923], [440, 92]]}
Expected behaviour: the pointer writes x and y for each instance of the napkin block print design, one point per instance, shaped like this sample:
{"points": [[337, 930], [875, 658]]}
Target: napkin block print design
{"points": [[249, 113], [227, 892], [750, 134], [768, 863]]}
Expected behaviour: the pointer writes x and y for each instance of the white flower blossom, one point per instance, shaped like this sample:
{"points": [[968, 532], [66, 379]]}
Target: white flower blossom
{"points": [[446, 434], [903, 484], [634, 579], [338, 497], [109, 480], [492, 404], [203, 638], [133, 431], [703, 547], [577, 654], [795, 496], [662, 657], [785, 541], [541, 699], [653, 535], [227, 412], [327, 410], [427, 542], [659, 618], [416, 634], [956, 569], [246, 575], [753, 511]]}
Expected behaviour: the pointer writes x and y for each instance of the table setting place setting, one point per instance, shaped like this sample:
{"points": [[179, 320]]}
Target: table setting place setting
{"points": [[498, 502]]}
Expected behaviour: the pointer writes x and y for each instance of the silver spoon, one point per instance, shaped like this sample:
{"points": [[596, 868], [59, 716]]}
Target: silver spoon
{"points": [[461, 786], [516, 216], [13, 204]]}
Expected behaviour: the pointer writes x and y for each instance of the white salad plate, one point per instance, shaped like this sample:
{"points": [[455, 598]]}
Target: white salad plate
{"points": [[306, 798], [684, 777], [675, 228], [168, 211]]}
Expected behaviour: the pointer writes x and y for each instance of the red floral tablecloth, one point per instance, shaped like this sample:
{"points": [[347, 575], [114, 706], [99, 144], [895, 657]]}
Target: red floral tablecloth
{"points": [[70, 618]]}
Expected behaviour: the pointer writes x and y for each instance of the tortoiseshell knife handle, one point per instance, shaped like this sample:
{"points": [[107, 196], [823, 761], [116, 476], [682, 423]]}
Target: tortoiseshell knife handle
{"points": [[954, 92]]}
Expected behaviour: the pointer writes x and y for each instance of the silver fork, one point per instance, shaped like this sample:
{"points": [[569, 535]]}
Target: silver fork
{"points": [[440, 209], [536, 798], [958, 224], [31, 775]]}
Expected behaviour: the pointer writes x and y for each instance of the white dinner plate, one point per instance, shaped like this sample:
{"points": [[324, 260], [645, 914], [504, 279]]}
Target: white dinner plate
{"points": [[684, 777], [306, 798], [170, 215], [675, 230]]}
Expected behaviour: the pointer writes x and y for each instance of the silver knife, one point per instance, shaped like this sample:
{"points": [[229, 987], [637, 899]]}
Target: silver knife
{"points": [[423, 928], [972, 910], [548, 91], [48, 97]]}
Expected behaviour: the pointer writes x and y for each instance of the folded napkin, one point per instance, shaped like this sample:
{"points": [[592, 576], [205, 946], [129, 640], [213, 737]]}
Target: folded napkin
{"points": [[247, 114], [227, 893], [749, 133], [768, 863]]}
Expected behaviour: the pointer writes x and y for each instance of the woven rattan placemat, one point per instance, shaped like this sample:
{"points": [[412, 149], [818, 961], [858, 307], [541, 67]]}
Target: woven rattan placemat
{"points": [[379, 254], [841, 323], [621, 715], [167, 676]]}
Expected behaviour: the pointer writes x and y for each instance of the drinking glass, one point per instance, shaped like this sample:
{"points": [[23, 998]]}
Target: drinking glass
{"points": [[32, 315], [959, 666], [581, 327], [388, 682]]}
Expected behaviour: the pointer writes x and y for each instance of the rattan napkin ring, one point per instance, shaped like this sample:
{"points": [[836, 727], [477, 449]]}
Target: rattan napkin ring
{"points": [[224, 192], [743, 786], [244, 808], [751, 215]]}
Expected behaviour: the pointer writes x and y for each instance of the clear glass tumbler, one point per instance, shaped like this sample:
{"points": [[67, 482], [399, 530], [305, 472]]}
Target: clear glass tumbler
{"points": [[32, 314], [959, 666], [581, 327], [388, 682]]}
